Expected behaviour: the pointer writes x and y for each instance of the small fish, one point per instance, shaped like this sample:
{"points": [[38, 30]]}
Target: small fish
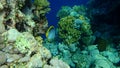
{"points": [[50, 34]]}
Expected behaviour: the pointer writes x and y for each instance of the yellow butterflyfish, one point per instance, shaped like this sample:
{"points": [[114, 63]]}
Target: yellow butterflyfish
{"points": [[50, 34]]}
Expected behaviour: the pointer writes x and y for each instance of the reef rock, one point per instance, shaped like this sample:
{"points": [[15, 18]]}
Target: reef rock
{"points": [[21, 23], [12, 35], [55, 63], [3, 58]]}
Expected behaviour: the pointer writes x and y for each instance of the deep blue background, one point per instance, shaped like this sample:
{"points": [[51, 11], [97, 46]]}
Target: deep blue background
{"points": [[56, 5]]}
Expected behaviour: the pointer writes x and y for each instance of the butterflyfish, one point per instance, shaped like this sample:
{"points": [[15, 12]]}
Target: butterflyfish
{"points": [[50, 33]]}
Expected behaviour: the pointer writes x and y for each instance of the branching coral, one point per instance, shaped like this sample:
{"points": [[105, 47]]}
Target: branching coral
{"points": [[74, 25], [67, 31]]}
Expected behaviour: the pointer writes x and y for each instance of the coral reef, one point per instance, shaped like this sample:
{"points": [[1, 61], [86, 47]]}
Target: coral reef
{"points": [[105, 19], [62, 51], [73, 11], [40, 4], [79, 46], [66, 30], [77, 42], [24, 17], [21, 23], [65, 11], [74, 25], [26, 52], [90, 57], [56, 63], [25, 42]]}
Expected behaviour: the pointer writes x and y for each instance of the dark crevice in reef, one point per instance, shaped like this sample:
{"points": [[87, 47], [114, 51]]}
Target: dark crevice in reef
{"points": [[110, 13], [105, 18], [20, 26]]}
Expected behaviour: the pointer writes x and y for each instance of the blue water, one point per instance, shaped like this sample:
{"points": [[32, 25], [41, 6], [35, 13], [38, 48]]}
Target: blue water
{"points": [[55, 6]]}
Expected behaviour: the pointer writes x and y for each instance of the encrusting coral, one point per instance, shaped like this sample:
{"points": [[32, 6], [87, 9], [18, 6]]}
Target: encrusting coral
{"points": [[25, 42]]}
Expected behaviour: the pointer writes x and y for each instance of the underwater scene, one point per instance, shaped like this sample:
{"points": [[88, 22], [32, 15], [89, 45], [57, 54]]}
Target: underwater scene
{"points": [[59, 34]]}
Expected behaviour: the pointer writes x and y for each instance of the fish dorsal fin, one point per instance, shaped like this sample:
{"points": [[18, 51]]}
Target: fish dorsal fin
{"points": [[47, 33]]}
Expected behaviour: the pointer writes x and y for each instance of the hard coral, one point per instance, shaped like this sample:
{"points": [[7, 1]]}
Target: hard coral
{"points": [[65, 11], [67, 31], [56, 63], [19, 21], [80, 9], [74, 24], [72, 11], [41, 3], [25, 42]]}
